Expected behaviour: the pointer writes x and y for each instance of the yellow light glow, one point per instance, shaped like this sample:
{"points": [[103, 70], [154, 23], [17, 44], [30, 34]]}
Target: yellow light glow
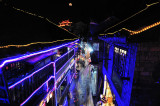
{"points": [[7, 46], [137, 31], [43, 18], [134, 32], [47, 98], [50, 95], [147, 6], [70, 4]]}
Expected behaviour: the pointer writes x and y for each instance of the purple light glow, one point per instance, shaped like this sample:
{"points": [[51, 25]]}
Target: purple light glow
{"points": [[54, 65], [65, 102], [47, 85], [72, 77], [35, 91], [29, 75], [62, 56], [65, 64], [41, 69], [62, 81], [56, 96], [74, 73], [40, 57], [32, 54], [46, 82], [66, 69]]}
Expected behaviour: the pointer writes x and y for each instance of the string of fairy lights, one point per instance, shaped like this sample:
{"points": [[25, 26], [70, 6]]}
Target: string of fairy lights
{"points": [[136, 31], [43, 18], [18, 46]]}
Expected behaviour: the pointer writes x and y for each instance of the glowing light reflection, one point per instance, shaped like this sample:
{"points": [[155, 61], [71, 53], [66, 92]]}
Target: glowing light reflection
{"points": [[33, 54]]}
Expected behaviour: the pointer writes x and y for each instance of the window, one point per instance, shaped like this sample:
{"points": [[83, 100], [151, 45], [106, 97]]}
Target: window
{"points": [[119, 67], [119, 61], [14, 71]]}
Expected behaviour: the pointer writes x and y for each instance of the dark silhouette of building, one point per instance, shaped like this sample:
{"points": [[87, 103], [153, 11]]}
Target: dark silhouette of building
{"points": [[37, 60], [131, 58]]}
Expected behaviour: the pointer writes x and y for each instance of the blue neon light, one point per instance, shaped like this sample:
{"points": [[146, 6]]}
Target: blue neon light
{"points": [[63, 55], [62, 81], [45, 83], [35, 91], [32, 54], [65, 102], [72, 77], [29, 75], [73, 74], [118, 99], [37, 71], [23, 57], [65, 64], [66, 69]]}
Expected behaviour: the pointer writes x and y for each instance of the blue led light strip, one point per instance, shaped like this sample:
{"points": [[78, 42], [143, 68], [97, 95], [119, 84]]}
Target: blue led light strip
{"points": [[66, 70], [37, 71], [33, 54], [65, 102], [72, 77], [63, 55], [74, 73], [62, 80], [64, 64], [35, 91], [29, 75]]}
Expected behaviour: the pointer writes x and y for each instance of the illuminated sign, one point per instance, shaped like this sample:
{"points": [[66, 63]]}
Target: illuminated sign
{"points": [[65, 23]]}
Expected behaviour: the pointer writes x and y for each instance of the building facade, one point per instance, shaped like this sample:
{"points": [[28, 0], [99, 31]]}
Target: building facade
{"points": [[131, 59], [39, 78]]}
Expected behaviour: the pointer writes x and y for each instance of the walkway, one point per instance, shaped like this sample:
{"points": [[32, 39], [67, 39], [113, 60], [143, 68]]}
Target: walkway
{"points": [[81, 88]]}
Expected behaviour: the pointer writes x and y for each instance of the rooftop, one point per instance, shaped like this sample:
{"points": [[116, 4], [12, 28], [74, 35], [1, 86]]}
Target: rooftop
{"points": [[142, 25], [23, 32]]}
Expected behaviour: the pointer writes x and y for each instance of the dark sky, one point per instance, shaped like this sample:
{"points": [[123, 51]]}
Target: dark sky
{"points": [[84, 10]]}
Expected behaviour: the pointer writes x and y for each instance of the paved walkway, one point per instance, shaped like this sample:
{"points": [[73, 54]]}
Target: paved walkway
{"points": [[81, 88]]}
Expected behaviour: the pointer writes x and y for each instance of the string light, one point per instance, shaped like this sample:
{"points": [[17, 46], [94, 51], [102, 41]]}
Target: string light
{"points": [[144, 29], [7, 46], [43, 18], [33, 54], [133, 32], [137, 31], [18, 46]]}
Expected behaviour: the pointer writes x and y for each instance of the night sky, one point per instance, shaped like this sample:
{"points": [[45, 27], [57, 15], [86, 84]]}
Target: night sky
{"points": [[15, 23], [82, 10]]}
